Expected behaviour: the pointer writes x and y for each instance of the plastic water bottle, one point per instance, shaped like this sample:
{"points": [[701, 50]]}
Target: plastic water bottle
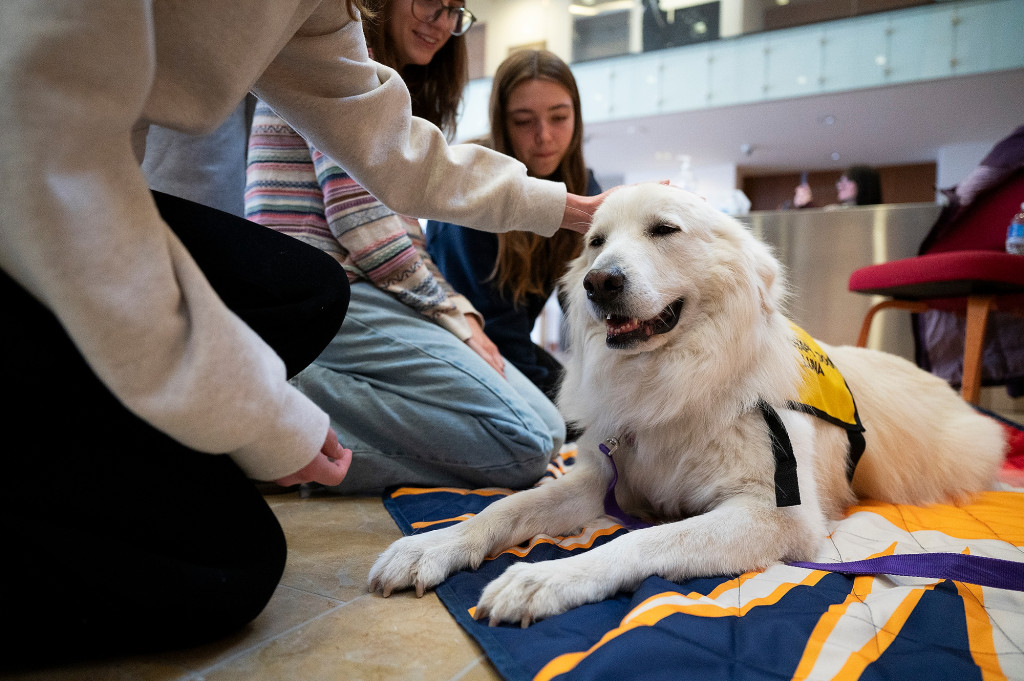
{"points": [[1015, 233]]}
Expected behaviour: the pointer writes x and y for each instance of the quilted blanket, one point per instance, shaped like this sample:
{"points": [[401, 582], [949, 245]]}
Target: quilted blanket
{"points": [[785, 622]]}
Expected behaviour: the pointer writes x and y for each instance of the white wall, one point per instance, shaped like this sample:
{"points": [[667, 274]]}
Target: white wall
{"points": [[716, 183], [953, 162], [511, 23], [519, 22]]}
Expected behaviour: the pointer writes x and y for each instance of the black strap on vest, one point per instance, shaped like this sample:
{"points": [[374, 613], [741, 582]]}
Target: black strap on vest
{"points": [[857, 446], [854, 431], [787, 488]]}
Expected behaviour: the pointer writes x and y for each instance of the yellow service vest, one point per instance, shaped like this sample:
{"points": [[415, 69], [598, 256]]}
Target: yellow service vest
{"points": [[824, 394]]}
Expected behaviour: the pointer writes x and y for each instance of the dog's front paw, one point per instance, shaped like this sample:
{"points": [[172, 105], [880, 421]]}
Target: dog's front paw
{"points": [[422, 561], [528, 592]]}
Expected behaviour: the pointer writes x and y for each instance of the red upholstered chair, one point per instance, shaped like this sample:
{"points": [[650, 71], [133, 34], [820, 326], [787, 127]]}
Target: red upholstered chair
{"points": [[965, 269]]}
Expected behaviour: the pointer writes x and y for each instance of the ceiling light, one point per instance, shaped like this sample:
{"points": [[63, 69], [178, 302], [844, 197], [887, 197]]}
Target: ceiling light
{"points": [[673, 5], [594, 10]]}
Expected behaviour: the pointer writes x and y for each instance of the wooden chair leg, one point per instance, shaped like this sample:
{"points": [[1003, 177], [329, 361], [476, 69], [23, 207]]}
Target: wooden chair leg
{"points": [[865, 327], [978, 308]]}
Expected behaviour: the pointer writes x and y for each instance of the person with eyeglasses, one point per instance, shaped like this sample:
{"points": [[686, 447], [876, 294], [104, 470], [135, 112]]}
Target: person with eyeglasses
{"points": [[413, 385], [149, 342], [453, 15]]}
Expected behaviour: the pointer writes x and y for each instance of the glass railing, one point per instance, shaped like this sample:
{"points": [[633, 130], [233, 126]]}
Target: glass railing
{"points": [[943, 40]]}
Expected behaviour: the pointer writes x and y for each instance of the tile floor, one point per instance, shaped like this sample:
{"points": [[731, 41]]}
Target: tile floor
{"points": [[321, 623]]}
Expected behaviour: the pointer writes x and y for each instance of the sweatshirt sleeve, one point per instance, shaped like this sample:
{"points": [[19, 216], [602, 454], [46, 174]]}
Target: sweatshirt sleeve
{"points": [[80, 232], [320, 204], [358, 112], [381, 248]]}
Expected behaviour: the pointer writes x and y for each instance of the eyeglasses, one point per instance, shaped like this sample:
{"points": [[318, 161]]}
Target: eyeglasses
{"points": [[457, 19]]}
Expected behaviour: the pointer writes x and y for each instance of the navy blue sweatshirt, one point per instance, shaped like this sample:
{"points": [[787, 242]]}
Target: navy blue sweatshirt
{"points": [[466, 258]]}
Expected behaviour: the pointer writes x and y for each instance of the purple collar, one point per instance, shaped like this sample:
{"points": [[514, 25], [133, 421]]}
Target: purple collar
{"points": [[611, 506]]}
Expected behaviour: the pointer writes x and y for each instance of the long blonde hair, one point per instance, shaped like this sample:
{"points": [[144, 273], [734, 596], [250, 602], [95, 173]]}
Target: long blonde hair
{"points": [[529, 264]]}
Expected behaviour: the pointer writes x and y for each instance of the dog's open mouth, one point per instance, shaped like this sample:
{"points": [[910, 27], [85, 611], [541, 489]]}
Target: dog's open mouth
{"points": [[628, 331]]}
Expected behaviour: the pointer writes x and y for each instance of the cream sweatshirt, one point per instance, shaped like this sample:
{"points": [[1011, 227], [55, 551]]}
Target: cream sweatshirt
{"points": [[79, 84]]}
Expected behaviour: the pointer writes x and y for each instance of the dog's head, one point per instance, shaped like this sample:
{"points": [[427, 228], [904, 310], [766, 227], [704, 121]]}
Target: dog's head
{"points": [[659, 265]]}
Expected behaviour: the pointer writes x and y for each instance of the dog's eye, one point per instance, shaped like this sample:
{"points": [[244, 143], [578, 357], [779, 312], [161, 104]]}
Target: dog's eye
{"points": [[596, 241], [663, 229]]}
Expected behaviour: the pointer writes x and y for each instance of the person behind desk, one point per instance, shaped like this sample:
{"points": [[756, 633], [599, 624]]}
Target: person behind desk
{"points": [[859, 185], [535, 116]]}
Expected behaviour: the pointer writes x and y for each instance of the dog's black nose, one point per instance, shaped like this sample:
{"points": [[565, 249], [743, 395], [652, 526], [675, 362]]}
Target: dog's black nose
{"points": [[603, 286]]}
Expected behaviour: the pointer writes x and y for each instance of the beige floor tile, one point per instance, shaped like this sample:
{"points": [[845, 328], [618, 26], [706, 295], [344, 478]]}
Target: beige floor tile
{"points": [[370, 639], [287, 610], [483, 670], [333, 541]]}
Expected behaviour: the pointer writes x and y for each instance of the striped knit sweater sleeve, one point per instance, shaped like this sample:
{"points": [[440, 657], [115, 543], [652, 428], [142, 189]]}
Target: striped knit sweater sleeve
{"points": [[295, 189]]}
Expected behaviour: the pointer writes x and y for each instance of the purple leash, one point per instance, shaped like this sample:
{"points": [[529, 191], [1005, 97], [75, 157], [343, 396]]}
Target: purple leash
{"points": [[959, 567], [611, 506]]}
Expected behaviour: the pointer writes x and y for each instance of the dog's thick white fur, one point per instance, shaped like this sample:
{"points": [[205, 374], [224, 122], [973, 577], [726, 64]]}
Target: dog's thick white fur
{"points": [[679, 391]]}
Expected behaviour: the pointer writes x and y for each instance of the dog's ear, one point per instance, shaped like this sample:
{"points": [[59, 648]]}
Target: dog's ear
{"points": [[770, 286]]}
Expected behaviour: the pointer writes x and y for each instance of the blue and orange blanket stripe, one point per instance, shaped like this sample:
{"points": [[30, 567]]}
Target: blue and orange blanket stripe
{"points": [[785, 622]]}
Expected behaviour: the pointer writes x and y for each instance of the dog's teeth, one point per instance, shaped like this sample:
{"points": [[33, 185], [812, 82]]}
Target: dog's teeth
{"points": [[623, 327]]}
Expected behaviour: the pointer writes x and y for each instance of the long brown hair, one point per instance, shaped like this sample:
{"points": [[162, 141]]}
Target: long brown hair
{"points": [[436, 88], [529, 264]]}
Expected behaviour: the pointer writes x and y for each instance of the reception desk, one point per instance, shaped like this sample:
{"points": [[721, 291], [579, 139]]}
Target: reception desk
{"points": [[820, 248]]}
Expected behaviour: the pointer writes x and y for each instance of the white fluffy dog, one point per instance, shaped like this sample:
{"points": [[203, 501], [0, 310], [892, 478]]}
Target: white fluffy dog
{"points": [[678, 343]]}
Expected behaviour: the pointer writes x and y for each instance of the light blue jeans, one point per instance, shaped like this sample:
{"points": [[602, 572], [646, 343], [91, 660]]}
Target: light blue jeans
{"points": [[418, 407]]}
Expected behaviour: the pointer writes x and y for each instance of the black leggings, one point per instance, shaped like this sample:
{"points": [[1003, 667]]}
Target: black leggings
{"points": [[118, 539]]}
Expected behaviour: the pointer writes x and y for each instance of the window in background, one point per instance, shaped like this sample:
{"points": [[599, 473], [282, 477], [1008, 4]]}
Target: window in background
{"points": [[665, 26], [599, 36]]}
